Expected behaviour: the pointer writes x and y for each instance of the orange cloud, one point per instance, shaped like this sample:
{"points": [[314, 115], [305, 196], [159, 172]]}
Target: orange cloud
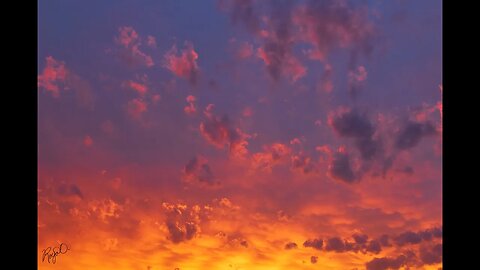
{"points": [[272, 155]]}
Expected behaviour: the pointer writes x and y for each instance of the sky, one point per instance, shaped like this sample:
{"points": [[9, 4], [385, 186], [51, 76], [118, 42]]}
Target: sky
{"points": [[240, 134]]}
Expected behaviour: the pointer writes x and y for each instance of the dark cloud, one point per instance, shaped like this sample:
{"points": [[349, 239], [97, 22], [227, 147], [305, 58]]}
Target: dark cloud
{"points": [[220, 132], [303, 163], [367, 147], [330, 25], [384, 240], [374, 246], [386, 263], [182, 222], [69, 190], [353, 124], [431, 255], [360, 238], [341, 169], [411, 134], [277, 38], [244, 11], [408, 238], [181, 232], [314, 243], [198, 171], [335, 244], [244, 243], [291, 245]]}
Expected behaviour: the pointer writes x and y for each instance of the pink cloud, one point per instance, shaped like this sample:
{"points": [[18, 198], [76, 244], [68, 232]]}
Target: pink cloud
{"points": [[53, 75], [190, 108], [156, 98], [247, 112], [130, 41], [56, 77], [127, 37], [88, 141], [332, 25], [137, 87], [279, 62], [151, 41], [326, 83], [295, 141], [136, 107], [356, 79], [245, 50], [183, 65]]}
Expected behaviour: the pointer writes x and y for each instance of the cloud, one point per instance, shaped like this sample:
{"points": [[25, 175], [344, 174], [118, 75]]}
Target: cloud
{"points": [[326, 82], [340, 168], [384, 240], [352, 124], [136, 107], [303, 164], [129, 40], [190, 108], [412, 132], [56, 77], [291, 245], [374, 246], [183, 65], [410, 237], [244, 11], [69, 190], [53, 76], [247, 112], [323, 25], [245, 50], [356, 80], [314, 243], [87, 141], [272, 155], [151, 41], [220, 132], [335, 244], [197, 171], [431, 255], [280, 61], [328, 25], [181, 221], [313, 259], [360, 238], [181, 232], [386, 263], [140, 88]]}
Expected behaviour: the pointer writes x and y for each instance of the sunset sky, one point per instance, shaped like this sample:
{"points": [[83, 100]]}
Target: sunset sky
{"points": [[240, 134]]}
